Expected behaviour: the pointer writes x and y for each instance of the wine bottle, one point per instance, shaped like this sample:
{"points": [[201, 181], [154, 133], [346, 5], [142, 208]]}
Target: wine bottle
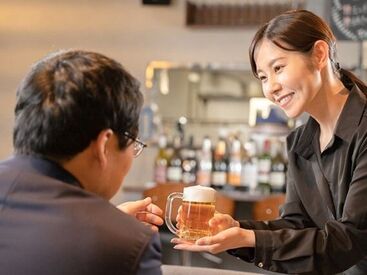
{"points": [[205, 163], [174, 169], [278, 171], [161, 161], [249, 168], [189, 163], [220, 164], [234, 164], [264, 168]]}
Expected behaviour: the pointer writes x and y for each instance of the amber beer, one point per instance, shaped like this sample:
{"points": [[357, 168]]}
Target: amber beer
{"points": [[194, 221], [198, 207]]}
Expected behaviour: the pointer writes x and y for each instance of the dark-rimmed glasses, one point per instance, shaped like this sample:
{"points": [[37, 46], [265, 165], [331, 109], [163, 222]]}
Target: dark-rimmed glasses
{"points": [[138, 144]]}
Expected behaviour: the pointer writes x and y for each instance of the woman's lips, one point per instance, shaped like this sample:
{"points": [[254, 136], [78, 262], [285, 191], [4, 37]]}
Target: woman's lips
{"points": [[284, 100]]}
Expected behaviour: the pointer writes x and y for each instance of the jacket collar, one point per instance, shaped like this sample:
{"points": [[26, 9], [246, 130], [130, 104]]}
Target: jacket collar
{"points": [[45, 167]]}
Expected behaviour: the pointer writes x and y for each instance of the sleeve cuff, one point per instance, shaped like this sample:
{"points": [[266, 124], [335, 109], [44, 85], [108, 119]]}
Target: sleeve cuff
{"points": [[263, 248], [245, 254]]}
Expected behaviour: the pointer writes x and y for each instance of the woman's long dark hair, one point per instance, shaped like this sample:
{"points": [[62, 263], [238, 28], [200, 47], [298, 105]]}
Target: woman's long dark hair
{"points": [[298, 30]]}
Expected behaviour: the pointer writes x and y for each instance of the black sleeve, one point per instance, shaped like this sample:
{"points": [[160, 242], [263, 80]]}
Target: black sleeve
{"points": [[294, 244], [292, 215], [150, 262]]}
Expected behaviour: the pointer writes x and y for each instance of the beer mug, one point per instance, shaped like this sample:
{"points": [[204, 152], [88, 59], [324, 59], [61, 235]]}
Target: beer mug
{"points": [[197, 208]]}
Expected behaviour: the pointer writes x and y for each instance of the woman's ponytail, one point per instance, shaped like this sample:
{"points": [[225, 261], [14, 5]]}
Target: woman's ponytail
{"points": [[348, 78]]}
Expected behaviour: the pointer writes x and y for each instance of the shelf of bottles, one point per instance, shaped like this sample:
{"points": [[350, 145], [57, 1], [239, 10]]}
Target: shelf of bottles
{"points": [[227, 164], [239, 13]]}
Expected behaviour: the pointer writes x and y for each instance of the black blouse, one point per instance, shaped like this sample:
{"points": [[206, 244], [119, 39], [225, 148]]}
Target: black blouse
{"points": [[323, 224]]}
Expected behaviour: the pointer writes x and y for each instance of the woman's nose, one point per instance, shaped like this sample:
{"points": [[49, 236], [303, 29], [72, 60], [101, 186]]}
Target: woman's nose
{"points": [[272, 87]]}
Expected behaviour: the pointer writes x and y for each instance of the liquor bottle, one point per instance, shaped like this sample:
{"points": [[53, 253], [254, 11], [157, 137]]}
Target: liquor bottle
{"points": [[205, 163], [174, 169], [189, 163], [278, 171], [234, 164], [264, 168], [161, 161], [220, 165], [249, 167]]}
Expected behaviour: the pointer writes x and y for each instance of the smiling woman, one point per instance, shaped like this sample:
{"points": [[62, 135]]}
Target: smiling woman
{"points": [[322, 229], [288, 78]]}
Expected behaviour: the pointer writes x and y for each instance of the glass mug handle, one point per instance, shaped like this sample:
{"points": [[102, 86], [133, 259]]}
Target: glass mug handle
{"points": [[170, 198]]}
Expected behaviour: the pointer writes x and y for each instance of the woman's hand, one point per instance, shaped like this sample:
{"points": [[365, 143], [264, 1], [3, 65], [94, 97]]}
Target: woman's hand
{"points": [[226, 234], [145, 211], [233, 237], [221, 222], [217, 224]]}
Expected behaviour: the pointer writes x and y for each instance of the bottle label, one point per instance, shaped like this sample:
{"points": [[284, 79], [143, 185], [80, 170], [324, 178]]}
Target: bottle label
{"points": [[264, 165], [188, 177], [234, 178], [277, 179], [263, 177], [219, 178], [203, 178], [234, 173], [174, 173], [249, 176]]}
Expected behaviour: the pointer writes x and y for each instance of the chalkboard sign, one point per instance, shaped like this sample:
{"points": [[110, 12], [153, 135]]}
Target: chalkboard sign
{"points": [[349, 19]]}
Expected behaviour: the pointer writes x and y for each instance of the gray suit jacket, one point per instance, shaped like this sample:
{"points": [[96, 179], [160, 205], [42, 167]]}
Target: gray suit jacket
{"points": [[50, 225]]}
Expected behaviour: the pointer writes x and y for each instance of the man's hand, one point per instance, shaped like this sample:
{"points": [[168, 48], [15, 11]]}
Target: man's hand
{"points": [[145, 211]]}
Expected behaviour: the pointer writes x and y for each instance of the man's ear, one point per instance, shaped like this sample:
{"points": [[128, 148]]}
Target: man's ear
{"points": [[101, 146], [320, 54]]}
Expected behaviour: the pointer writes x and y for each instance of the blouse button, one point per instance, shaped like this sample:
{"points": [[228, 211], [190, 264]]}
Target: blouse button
{"points": [[260, 264]]}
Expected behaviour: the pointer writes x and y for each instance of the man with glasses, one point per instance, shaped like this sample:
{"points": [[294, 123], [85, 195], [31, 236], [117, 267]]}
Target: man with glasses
{"points": [[75, 137]]}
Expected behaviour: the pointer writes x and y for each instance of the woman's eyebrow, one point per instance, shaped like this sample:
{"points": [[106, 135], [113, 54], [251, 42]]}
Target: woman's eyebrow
{"points": [[271, 63]]}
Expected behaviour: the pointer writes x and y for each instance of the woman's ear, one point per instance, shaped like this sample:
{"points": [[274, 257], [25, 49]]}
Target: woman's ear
{"points": [[102, 146], [320, 54]]}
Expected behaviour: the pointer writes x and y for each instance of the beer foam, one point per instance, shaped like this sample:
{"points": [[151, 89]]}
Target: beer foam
{"points": [[199, 194]]}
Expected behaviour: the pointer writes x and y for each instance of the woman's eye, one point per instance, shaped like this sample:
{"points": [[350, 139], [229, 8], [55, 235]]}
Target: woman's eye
{"points": [[262, 78], [277, 68]]}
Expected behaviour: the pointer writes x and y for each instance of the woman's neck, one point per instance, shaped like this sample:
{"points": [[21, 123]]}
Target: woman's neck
{"points": [[327, 107]]}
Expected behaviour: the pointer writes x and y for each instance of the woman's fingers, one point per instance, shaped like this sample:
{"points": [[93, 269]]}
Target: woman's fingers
{"points": [[210, 240], [180, 241], [221, 222], [214, 249]]}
